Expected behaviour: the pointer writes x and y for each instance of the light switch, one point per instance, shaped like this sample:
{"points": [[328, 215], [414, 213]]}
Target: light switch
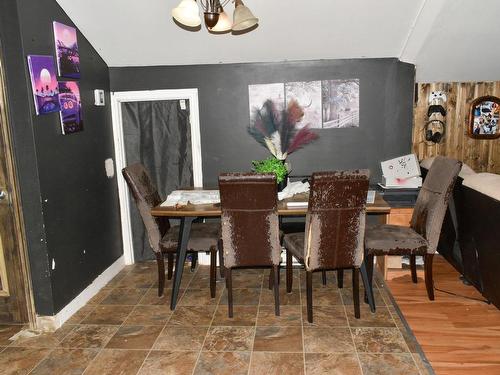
{"points": [[99, 97]]}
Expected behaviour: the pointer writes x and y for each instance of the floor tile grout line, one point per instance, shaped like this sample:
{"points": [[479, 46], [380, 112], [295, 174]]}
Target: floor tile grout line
{"points": [[209, 326], [352, 336], [255, 326], [120, 326], [164, 326]]}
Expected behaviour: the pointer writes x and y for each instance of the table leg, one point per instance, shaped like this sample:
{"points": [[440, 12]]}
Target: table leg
{"points": [[182, 242]]}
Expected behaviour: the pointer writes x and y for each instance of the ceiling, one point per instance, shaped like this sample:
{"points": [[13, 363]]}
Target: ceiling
{"points": [[448, 40]]}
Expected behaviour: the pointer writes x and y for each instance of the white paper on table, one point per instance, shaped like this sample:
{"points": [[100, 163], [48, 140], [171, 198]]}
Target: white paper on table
{"points": [[293, 188], [401, 167], [182, 197]]}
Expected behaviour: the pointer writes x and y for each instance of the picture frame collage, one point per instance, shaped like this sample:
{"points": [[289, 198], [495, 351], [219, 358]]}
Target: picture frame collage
{"points": [[53, 95]]}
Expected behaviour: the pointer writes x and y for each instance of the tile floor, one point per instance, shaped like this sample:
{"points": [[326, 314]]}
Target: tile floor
{"points": [[127, 329]]}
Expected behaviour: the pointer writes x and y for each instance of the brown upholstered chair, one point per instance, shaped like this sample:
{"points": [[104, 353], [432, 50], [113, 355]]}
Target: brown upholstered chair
{"points": [[162, 237], [422, 237], [334, 232], [250, 226]]}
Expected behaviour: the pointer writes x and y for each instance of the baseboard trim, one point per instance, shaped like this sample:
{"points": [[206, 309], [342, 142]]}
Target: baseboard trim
{"points": [[51, 323]]}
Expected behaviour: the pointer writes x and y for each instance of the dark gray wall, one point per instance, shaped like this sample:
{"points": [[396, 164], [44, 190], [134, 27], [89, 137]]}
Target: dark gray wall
{"points": [[70, 207], [386, 100]]}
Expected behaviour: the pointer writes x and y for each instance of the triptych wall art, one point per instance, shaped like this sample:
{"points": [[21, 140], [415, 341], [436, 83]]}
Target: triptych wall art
{"points": [[51, 95], [328, 104]]}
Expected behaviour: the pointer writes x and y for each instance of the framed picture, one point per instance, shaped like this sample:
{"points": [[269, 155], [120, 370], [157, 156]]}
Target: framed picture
{"points": [[68, 57], [44, 84], [71, 107], [340, 103], [484, 118]]}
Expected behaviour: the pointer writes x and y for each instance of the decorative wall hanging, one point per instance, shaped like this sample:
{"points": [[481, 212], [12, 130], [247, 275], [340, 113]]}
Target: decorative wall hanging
{"points": [[68, 57], [340, 103], [484, 117], [435, 127], [327, 104], [44, 84], [71, 107]]}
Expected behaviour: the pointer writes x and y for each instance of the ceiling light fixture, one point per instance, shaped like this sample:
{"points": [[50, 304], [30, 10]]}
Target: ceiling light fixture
{"points": [[216, 20]]}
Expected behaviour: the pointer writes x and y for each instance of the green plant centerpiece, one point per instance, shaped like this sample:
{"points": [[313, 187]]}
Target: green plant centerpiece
{"points": [[281, 133], [273, 165]]}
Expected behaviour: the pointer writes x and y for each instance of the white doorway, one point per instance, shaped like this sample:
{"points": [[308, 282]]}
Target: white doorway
{"points": [[117, 98]]}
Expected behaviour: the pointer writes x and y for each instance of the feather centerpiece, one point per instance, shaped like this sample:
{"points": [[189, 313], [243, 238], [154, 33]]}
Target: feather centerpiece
{"points": [[277, 130]]}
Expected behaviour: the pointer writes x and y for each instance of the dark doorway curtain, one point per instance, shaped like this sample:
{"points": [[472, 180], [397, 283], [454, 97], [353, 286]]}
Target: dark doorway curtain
{"points": [[157, 134]]}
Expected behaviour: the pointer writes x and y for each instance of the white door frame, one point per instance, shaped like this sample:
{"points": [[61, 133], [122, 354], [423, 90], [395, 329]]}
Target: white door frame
{"points": [[120, 160]]}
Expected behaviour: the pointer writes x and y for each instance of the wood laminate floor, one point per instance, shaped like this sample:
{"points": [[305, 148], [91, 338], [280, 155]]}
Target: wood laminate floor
{"points": [[458, 335]]}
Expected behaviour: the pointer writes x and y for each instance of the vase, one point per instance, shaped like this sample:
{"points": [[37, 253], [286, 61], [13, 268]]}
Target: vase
{"points": [[283, 183]]}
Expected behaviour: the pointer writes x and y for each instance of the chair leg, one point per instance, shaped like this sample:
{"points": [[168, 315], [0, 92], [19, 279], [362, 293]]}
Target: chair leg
{"points": [[221, 258], [276, 271], [289, 272], [413, 267], [161, 273], [355, 292], [429, 283], [271, 279], [213, 270], [368, 287], [170, 265], [323, 277], [368, 262], [340, 278], [229, 287], [194, 260], [309, 293]]}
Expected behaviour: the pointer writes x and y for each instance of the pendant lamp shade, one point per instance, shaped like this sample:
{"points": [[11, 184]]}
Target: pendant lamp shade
{"points": [[223, 25], [243, 18], [187, 13]]}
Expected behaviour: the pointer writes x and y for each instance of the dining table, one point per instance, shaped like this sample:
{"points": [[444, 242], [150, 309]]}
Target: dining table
{"points": [[187, 213]]}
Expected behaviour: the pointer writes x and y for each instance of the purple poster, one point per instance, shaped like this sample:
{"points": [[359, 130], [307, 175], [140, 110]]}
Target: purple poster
{"points": [[71, 107], [68, 58], [44, 84]]}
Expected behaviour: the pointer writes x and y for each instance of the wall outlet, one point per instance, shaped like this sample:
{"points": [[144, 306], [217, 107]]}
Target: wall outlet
{"points": [[99, 97]]}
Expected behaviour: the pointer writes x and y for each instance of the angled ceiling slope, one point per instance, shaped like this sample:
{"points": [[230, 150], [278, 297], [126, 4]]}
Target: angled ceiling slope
{"points": [[439, 36]]}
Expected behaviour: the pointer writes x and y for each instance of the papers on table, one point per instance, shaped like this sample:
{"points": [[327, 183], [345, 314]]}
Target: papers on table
{"points": [[183, 197], [296, 204], [370, 199], [293, 188]]}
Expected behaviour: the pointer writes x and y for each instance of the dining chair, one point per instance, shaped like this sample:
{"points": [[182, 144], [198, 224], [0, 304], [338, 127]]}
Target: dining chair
{"points": [[334, 231], [422, 237], [250, 226], [163, 237]]}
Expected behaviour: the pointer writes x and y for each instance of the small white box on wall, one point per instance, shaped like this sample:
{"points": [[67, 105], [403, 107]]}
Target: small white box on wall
{"points": [[99, 97]]}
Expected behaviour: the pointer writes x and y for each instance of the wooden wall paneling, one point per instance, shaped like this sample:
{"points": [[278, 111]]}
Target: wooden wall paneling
{"points": [[482, 155]]}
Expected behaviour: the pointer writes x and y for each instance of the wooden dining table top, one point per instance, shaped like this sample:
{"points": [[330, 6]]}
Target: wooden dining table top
{"points": [[379, 206]]}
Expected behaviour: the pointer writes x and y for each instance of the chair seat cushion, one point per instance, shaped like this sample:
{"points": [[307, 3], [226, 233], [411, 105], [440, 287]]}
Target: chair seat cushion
{"points": [[294, 242], [386, 239], [202, 237]]}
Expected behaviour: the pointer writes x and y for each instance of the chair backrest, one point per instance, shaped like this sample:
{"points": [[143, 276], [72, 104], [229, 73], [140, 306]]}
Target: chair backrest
{"points": [[335, 221], [433, 198], [250, 224], [146, 197]]}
